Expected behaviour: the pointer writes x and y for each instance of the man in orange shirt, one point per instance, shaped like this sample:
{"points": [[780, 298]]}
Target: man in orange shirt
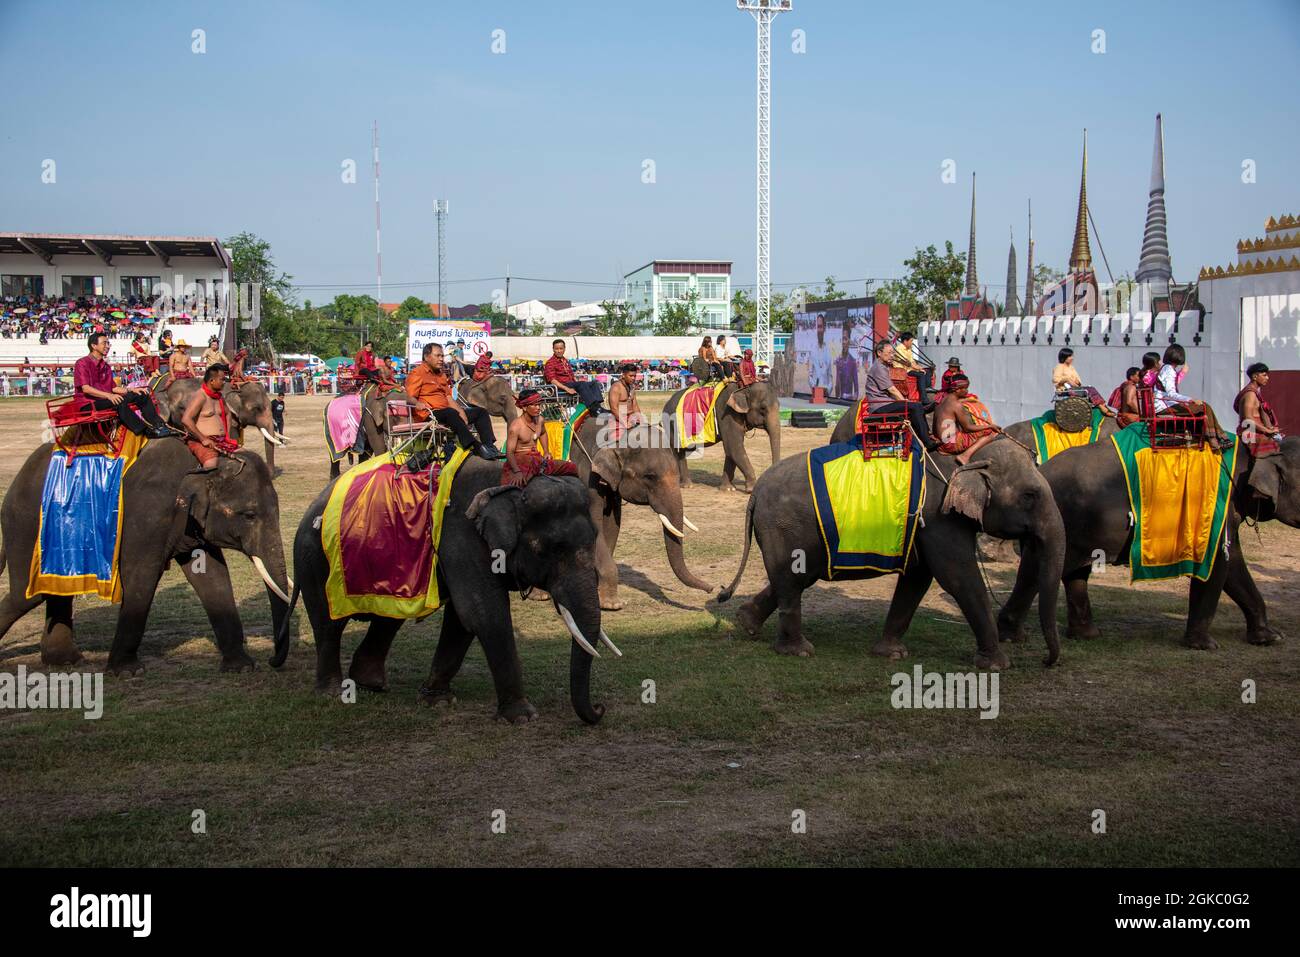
{"points": [[429, 386]]}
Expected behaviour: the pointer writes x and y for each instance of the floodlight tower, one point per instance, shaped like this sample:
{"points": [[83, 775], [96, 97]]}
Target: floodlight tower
{"points": [[763, 12], [379, 256], [440, 209]]}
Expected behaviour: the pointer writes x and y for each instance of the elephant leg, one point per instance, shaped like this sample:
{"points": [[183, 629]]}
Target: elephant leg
{"points": [[958, 574], [728, 471], [58, 643], [328, 635], [1202, 603], [789, 628], [757, 610], [740, 457], [210, 580], [1011, 617], [1078, 605], [367, 668], [138, 588], [1240, 586], [453, 643], [334, 469], [608, 522], [497, 637], [14, 606], [683, 468], [908, 592]]}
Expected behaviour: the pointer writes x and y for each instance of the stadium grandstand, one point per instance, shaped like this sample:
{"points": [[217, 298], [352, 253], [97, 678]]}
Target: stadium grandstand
{"points": [[57, 288]]}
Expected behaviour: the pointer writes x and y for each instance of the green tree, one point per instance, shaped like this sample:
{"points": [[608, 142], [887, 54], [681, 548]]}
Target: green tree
{"points": [[932, 279], [251, 262], [680, 317], [619, 319]]}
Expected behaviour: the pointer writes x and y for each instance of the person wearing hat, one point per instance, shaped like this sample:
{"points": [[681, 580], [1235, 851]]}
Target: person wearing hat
{"points": [[456, 359], [954, 370], [523, 460], [180, 364], [622, 400]]}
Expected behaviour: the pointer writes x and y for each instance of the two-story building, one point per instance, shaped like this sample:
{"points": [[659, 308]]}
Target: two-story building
{"points": [[663, 281]]}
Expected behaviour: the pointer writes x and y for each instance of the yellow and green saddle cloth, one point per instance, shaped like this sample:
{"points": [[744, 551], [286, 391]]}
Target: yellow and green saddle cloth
{"points": [[559, 433], [1051, 440], [867, 508], [1179, 499]]}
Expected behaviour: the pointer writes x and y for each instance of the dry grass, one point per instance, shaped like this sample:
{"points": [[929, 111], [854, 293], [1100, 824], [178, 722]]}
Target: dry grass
{"points": [[739, 738]]}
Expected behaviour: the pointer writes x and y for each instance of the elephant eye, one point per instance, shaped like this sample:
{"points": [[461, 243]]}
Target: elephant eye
{"points": [[651, 477]]}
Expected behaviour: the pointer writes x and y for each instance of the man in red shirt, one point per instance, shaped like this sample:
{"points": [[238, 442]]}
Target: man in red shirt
{"points": [[748, 373], [482, 367], [93, 380], [559, 373]]}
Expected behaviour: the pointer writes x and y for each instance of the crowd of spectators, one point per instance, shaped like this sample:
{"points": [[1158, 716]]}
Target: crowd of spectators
{"points": [[53, 317]]}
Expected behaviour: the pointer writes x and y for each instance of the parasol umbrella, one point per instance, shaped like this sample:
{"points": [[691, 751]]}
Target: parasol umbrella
{"points": [[118, 314], [147, 320], [334, 363], [20, 311]]}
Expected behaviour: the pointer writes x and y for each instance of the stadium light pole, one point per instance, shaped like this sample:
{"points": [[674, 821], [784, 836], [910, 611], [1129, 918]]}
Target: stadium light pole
{"points": [[440, 209], [763, 11]]}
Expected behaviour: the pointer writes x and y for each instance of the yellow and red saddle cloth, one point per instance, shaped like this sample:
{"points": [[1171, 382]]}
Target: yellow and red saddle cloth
{"points": [[380, 533], [867, 509], [695, 419], [559, 433], [1179, 499], [80, 533], [1050, 439]]}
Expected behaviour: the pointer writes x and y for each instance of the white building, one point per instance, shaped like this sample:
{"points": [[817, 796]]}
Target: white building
{"points": [[556, 314], [663, 281]]}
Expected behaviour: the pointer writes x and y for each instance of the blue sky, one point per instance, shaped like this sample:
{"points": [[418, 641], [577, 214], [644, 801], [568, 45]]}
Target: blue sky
{"points": [[540, 149]]}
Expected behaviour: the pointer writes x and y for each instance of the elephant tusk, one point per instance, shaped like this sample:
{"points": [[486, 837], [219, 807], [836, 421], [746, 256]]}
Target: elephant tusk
{"points": [[688, 523], [284, 439], [572, 625], [266, 577], [268, 436], [604, 638], [669, 525]]}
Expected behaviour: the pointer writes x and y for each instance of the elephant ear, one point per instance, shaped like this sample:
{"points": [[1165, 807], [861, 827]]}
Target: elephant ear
{"points": [[738, 401], [1263, 477], [608, 466], [497, 518], [969, 490]]}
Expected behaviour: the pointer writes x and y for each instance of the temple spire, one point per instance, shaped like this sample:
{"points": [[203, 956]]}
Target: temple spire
{"points": [[1028, 305], [1155, 265], [972, 276], [1081, 255], [1012, 307]]}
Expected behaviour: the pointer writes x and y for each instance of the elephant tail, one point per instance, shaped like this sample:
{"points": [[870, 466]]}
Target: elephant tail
{"points": [[281, 652], [726, 593]]}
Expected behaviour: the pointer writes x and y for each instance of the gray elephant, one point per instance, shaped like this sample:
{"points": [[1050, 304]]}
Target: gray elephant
{"points": [[168, 514], [999, 491], [640, 468], [737, 411], [1092, 494], [247, 404], [492, 393], [1023, 432], [545, 533], [374, 422]]}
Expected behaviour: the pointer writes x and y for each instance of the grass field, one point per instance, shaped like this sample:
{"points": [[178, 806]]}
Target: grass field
{"points": [[737, 741]]}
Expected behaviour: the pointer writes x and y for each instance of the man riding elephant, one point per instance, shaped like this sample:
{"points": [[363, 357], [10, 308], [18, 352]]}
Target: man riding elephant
{"points": [[248, 405], [735, 411]]}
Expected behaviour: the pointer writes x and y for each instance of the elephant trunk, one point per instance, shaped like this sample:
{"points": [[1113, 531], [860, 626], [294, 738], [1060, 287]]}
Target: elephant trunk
{"points": [[270, 563], [671, 513], [1047, 548], [582, 617], [774, 434]]}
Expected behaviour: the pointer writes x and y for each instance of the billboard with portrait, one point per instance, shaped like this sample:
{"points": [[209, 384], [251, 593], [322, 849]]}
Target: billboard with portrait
{"points": [[832, 347]]}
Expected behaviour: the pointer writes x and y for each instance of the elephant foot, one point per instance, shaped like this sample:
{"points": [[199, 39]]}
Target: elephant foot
{"points": [[439, 699], [1200, 642], [331, 687], [1011, 634], [890, 648], [1264, 636], [125, 667], [369, 675], [612, 604], [238, 663], [748, 620], [800, 647], [59, 648], [1084, 632], [539, 594], [517, 712], [994, 662]]}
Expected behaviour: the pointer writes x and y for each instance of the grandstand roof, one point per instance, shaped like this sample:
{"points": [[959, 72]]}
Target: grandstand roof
{"points": [[46, 245]]}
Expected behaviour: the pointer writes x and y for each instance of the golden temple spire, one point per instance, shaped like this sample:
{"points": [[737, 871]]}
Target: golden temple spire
{"points": [[1081, 255]]}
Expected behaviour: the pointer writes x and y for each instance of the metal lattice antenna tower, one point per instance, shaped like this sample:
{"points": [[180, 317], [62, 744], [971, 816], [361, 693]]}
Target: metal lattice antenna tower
{"points": [[763, 12], [379, 258], [440, 209]]}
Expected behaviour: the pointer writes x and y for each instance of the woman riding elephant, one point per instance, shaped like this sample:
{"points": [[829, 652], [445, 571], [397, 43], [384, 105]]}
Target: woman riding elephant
{"points": [[248, 404], [736, 412], [1092, 493], [495, 540], [1000, 491], [168, 514]]}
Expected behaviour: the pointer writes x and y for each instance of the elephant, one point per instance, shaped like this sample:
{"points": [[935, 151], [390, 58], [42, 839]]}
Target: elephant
{"points": [[737, 411], [1023, 432], [493, 393], [168, 514], [640, 468], [546, 535], [999, 491], [1091, 492], [248, 405], [374, 415]]}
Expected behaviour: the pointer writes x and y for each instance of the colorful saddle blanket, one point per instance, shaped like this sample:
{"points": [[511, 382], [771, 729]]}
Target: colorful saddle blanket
{"points": [[559, 435], [342, 419], [1179, 500], [80, 531], [1051, 440], [380, 532], [867, 508], [696, 423]]}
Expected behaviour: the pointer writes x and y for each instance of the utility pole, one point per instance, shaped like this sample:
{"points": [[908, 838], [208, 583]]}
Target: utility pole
{"points": [[379, 260], [440, 209], [763, 11]]}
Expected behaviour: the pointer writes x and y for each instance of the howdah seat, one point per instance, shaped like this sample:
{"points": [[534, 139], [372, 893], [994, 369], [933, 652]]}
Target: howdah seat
{"points": [[1169, 430], [90, 426]]}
